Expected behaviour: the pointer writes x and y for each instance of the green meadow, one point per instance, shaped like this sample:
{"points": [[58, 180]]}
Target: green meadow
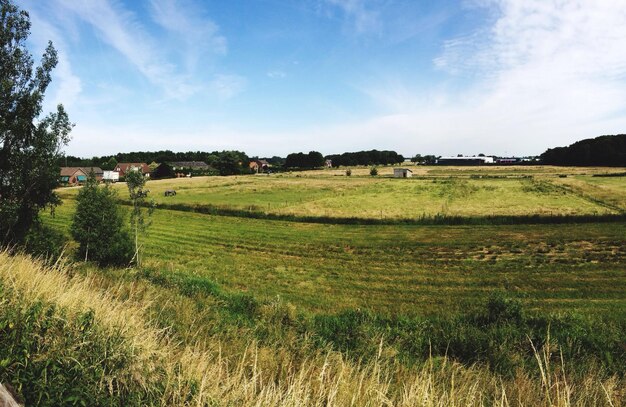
{"points": [[394, 269], [450, 192], [242, 309]]}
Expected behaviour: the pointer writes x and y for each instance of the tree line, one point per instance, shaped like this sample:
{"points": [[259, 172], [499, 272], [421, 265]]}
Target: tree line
{"points": [[600, 151], [371, 157], [108, 162]]}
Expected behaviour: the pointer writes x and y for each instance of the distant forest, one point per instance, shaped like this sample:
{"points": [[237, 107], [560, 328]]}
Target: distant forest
{"points": [[372, 157], [606, 151]]}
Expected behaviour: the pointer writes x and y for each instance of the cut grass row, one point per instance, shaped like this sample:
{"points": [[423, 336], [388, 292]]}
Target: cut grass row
{"points": [[401, 269]]}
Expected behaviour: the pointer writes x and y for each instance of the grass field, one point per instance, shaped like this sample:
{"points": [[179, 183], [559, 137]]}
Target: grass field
{"points": [[407, 269], [488, 314], [440, 191]]}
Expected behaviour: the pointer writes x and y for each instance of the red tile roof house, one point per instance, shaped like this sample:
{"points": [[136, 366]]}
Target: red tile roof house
{"points": [[259, 165], [123, 168], [78, 175]]}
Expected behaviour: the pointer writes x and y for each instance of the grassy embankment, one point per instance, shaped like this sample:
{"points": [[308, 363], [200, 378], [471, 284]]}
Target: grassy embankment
{"points": [[68, 339]]}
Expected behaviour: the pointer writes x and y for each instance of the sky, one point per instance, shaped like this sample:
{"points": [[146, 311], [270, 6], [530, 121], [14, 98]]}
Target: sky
{"points": [[271, 77]]}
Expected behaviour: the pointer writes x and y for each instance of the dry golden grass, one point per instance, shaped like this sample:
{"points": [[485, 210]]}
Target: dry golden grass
{"points": [[264, 376]]}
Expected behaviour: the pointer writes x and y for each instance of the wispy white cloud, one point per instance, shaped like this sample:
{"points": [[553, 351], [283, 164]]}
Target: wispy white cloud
{"points": [[276, 74], [228, 86], [365, 19], [199, 34], [156, 60], [67, 86], [121, 30], [544, 73]]}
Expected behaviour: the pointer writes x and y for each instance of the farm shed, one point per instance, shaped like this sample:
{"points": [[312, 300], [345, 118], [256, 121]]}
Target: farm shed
{"points": [[402, 173]]}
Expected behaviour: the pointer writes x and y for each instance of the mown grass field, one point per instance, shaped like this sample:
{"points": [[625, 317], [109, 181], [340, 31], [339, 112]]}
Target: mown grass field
{"points": [[437, 191], [240, 310], [396, 269]]}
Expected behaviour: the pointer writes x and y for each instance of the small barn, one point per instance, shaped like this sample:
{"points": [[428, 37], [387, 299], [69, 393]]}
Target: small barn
{"points": [[402, 173]]}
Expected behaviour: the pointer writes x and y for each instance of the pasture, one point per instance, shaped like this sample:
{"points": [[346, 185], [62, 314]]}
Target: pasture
{"points": [[394, 269], [438, 191]]}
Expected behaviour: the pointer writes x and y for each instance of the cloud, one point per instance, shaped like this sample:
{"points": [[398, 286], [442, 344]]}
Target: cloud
{"points": [[276, 74], [122, 30], [199, 34], [542, 73], [228, 86], [66, 85], [364, 19]]}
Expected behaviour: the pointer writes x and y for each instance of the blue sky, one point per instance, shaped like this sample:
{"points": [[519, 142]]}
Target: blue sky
{"points": [[272, 77]]}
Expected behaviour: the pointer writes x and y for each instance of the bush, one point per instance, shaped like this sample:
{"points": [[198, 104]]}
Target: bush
{"points": [[373, 171], [54, 359], [502, 309], [98, 226], [348, 172], [43, 241]]}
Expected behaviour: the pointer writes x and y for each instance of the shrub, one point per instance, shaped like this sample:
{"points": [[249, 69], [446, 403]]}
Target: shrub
{"points": [[348, 172], [373, 171], [43, 241], [502, 309]]}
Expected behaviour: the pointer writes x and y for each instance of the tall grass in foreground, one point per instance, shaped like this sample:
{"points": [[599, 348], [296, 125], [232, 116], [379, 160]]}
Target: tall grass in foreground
{"points": [[65, 342]]}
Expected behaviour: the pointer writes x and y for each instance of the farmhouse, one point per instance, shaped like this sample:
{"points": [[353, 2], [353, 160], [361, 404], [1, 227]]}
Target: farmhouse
{"points": [[402, 173], [78, 175], [259, 165], [186, 168], [188, 165], [72, 176], [124, 168]]}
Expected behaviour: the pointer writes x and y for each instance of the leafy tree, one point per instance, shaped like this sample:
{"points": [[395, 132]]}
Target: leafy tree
{"points": [[29, 144], [228, 163], [163, 171], [313, 159], [139, 217], [98, 226], [109, 164]]}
